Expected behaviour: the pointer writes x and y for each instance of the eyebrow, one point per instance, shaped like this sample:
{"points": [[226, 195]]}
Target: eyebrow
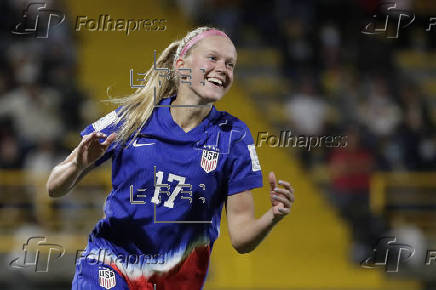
{"points": [[217, 52]]}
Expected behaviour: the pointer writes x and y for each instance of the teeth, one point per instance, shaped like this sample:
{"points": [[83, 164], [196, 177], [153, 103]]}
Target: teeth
{"points": [[215, 80]]}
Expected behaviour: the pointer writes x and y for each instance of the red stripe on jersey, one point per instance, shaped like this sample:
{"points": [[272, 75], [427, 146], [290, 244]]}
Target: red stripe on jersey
{"points": [[187, 275]]}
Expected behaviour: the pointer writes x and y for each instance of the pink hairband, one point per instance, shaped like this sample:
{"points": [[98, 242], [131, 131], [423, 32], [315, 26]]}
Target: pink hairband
{"points": [[200, 36]]}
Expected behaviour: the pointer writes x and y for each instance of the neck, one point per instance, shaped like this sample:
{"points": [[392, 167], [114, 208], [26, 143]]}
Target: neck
{"points": [[189, 117]]}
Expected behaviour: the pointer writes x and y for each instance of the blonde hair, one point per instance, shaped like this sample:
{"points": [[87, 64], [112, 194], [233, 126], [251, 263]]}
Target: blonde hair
{"points": [[137, 108]]}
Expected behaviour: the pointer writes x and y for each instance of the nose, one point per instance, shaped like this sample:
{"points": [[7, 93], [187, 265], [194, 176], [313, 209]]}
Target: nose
{"points": [[221, 67]]}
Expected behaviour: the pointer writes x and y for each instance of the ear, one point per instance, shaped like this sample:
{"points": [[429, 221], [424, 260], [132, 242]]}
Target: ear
{"points": [[180, 63]]}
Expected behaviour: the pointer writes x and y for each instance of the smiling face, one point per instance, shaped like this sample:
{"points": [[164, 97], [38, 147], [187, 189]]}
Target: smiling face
{"points": [[212, 61]]}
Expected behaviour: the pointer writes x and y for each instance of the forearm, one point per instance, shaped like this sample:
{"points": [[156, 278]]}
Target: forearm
{"points": [[64, 176], [250, 233], [62, 179]]}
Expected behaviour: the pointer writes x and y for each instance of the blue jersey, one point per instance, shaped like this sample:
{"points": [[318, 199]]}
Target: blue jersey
{"points": [[169, 186]]}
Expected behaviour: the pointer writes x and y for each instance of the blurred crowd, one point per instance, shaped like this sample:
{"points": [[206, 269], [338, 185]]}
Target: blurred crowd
{"points": [[41, 104], [342, 82]]}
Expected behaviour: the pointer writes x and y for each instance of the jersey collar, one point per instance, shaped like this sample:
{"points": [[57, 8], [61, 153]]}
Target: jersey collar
{"points": [[167, 128]]}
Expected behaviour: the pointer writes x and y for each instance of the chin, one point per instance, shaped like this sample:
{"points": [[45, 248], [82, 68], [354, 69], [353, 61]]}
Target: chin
{"points": [[212, 95]]}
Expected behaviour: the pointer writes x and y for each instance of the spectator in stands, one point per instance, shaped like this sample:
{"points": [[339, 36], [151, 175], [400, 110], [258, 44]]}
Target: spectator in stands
{"points": [[4, 83], [416, 130], [33, 108], [72, 102], [307, 112], [378, 112], [307, 115], [42, 158], [350, 170], [11, 149], [35, 112], [227, 15], [298, 52], [331, 44], [296, 34]]}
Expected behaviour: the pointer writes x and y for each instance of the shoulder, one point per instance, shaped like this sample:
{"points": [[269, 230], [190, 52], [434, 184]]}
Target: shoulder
{"points": [[106, 124], [230, 124], [243, 163], [107, 120], [236, 139]]}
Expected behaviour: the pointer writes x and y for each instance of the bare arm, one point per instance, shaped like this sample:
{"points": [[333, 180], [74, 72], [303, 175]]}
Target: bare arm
{"points": [[69, 172], [246, 232]]}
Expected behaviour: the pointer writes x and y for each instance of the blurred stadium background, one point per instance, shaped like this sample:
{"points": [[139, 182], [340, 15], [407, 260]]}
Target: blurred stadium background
{"points": [[303, 66]]}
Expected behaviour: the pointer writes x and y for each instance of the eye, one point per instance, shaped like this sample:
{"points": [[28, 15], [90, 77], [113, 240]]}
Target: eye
{"points": [[212, 57], [231, 65]]}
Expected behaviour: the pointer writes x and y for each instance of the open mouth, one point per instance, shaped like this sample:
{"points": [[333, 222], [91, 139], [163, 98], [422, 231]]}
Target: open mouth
{"points": [[216, 82]]}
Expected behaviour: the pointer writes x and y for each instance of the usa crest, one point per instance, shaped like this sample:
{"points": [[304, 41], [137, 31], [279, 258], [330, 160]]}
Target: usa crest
{"points": [[209, 158], [106, 278]]}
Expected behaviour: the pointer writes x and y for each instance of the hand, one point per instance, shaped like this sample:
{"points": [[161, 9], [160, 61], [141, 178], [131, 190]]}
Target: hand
{"points": [[281, 198], [90, 149]]}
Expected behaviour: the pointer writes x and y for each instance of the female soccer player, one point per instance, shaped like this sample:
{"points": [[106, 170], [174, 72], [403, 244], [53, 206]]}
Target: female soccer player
{"points": [[176, 161]]}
